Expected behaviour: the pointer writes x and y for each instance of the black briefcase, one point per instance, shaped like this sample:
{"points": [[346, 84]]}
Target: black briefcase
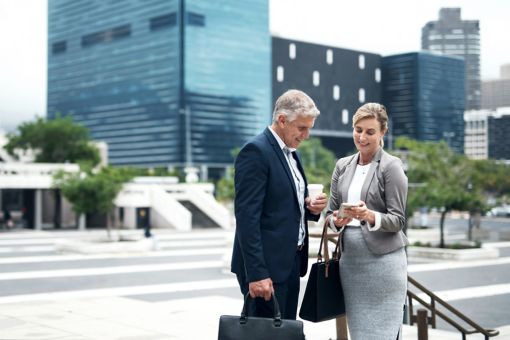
{"points": [[255, 328]]}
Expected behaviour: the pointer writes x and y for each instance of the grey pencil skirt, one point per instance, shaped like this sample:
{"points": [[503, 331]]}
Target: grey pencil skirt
{"points": [[374, 288]]}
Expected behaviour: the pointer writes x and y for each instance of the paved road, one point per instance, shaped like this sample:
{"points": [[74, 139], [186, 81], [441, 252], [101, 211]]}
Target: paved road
{"points": [[194, 264], [460, 223]]}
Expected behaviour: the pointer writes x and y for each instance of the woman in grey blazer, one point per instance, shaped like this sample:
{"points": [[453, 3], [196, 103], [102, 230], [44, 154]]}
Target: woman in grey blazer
{"points": [[373, 265]]}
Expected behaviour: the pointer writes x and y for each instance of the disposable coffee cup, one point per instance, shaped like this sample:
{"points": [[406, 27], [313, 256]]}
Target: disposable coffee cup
{"points": [[314, 190]]}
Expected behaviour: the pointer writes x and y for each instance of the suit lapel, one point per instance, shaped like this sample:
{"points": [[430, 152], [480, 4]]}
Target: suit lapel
{"points": [[350, 169], [281, 157]]}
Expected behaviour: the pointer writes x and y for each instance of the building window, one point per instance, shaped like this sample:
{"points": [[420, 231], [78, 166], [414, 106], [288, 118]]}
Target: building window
{"points": [[336, 92], [292, 51], [361, 62], [316, 78], [361, 95], [59, 47], [345, 116], [279, 74], [195, 19], [163, 21], [106, 36], [377, 75], [329, 57]]}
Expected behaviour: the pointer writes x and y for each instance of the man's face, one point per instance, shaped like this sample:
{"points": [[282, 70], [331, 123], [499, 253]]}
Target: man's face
{"points": [[296, 131]]}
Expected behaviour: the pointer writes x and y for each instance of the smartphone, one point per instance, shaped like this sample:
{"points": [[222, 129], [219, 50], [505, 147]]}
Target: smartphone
{"points": [[344, 207]]}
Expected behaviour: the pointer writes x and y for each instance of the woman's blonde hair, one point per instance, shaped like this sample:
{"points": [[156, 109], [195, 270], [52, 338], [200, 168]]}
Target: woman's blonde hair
{"points": [[372, 110]]}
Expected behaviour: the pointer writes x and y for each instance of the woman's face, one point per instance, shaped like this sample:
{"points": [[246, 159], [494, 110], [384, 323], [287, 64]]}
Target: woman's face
{"points": [[367, 135]]}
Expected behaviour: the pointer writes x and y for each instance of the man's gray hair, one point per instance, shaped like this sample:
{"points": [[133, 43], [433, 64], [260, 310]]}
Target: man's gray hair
{"points": [[293, 104]]}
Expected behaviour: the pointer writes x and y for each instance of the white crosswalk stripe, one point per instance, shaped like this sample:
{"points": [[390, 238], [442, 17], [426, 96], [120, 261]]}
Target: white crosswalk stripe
{"points": [[211, 246]]}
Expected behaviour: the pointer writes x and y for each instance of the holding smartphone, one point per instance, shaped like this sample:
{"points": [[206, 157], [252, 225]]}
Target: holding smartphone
{"points": [[344, 208]]}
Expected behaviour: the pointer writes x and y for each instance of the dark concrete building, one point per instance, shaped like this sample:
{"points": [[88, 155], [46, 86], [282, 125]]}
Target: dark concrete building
{"points": [[498, 130], [339, 81]]}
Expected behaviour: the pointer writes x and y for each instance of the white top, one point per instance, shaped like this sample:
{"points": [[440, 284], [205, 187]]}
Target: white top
{"points": [[354, 195]]}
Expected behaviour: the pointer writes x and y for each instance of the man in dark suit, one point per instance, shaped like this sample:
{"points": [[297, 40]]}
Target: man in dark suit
{"points": [[272, 208]]}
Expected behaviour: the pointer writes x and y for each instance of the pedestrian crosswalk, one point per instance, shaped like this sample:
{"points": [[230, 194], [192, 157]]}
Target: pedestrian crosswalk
{"points": [[32, 269]]}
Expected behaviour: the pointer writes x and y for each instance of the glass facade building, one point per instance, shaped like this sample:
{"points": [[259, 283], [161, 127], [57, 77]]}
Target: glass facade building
{"points": [[338, 80], [163, 82], [424, 95], [451, 35]]}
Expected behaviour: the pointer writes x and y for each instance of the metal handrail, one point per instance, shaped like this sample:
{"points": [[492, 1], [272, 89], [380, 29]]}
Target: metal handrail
{"points": [[434, 300], [342, 327]]}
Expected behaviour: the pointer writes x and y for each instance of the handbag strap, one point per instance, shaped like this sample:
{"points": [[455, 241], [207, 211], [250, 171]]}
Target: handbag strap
{"points": [[276, 309], [324, 245]]}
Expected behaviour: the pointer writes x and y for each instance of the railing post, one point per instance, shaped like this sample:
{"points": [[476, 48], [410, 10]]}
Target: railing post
{"points": [[423, 328], [341, 328]]}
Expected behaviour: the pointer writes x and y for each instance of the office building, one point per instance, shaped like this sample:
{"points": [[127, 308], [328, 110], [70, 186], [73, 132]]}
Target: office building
{"points": [[450, 35], [166, 83], [338, 80], [496, 92], [498, 129], [424, 95]]}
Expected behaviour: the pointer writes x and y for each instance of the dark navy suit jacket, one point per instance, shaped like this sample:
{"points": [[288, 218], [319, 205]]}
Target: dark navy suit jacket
{"points": [[267, 213]]}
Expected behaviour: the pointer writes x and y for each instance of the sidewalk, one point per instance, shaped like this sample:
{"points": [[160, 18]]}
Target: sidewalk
{"points": [[129, 319]]}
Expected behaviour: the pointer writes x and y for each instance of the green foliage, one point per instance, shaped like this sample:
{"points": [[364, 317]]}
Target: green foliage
{"points": [[439, 177], [91, 192], [493, 177], [318, 162], [55, 141], [225, 190]]}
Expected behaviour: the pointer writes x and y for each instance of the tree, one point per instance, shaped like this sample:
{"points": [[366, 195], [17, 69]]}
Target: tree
{"points": [[446, 178], [91, 192], [54, 141]]}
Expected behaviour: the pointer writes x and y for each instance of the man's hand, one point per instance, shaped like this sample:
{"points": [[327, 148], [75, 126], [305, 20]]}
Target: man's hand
{"points": [[262, 288], [316, 205]]}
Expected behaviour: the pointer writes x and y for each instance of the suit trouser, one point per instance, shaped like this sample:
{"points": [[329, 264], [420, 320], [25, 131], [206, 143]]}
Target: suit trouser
{"points": [[286, 292]]}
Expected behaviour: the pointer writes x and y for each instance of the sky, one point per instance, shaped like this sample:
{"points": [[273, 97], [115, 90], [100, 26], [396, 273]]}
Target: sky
{"points": [[377, 26]]}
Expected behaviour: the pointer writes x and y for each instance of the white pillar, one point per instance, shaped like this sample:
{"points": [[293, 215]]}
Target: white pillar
{"points": [[204, 173], [38, 210], [81, 222]]}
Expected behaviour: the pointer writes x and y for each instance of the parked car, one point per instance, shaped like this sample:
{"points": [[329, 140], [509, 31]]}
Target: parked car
{"points": [[502, 210]]}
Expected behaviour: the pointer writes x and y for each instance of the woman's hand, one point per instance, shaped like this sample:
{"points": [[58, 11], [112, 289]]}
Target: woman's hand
{"points": [[362, 213], [338, 221]]}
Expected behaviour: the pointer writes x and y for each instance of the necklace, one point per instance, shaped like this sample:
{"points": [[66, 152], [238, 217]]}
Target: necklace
{"points": [[364, 168]]}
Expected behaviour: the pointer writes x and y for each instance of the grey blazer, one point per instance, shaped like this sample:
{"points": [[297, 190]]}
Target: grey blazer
{"points": [[384, 191]]}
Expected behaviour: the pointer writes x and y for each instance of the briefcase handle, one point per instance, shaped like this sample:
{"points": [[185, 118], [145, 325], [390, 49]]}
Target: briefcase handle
{"points": [[276, 309]]}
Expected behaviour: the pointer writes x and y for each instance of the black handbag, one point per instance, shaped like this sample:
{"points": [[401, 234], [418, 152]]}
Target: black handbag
{"points": [[324, 297], [255, 328]]}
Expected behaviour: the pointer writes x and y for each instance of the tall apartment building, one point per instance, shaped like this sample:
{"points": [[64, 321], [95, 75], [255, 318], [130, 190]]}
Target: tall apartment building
{"points": [[451, 35], [339, 81], [163, 82], [496, 92], [424, 95]]}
